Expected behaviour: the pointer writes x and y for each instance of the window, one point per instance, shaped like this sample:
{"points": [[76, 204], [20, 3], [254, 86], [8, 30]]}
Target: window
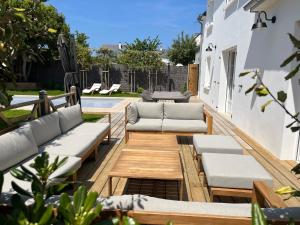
{"points": [[208, 73], [210, 11]]}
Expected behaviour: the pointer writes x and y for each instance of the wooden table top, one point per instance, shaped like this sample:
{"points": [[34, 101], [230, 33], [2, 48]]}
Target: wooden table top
{"points": [[162, 142], [147, 164]]}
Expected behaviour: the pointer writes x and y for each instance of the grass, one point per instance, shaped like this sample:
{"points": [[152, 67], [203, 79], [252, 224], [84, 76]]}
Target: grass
{"points": [[59, 92], [87, 117]]}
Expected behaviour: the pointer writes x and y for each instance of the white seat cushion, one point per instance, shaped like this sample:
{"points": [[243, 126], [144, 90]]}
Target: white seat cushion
{"points": [[16, 146], [70, 144], [69, 117], [148, 110], [71, 165], [145, 125], [196, 126], [183, 111], [151, 204], [233, 171], [45, 128], [98, 129], [216, 144]]}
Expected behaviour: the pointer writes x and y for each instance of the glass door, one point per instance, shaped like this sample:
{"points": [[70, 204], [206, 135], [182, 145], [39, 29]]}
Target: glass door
{"points": [[230, 81]]}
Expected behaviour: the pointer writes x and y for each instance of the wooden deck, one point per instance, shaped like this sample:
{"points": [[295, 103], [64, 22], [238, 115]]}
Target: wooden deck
{"points": [[94, 174]]}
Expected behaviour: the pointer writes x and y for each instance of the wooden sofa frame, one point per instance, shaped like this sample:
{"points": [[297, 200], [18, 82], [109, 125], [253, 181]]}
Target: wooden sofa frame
{"points": [[262, 195], [206, 115]]}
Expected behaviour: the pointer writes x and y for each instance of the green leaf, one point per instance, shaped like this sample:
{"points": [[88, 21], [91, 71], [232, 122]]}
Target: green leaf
{"points": [[295, 41], [244, 73], [21, 175], [296, 169], [250, 89], [293, 73], [262, 91], [289, 59], [19, 9], [263, 107], [281, 96], [90, 201], [295, 129], [79, 198], [47, 216], [257, 215], [51, 30], [21, 16], [20, 190], [18, 203]]}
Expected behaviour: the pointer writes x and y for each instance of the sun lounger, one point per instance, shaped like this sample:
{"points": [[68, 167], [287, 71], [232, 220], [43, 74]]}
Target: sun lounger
{"points": [[233, 175], [114, 88], [95, 87]]}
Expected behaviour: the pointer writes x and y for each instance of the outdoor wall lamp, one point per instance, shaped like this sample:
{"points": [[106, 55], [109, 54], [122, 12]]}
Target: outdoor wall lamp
{"points": [[260, 24], [210, 47]]}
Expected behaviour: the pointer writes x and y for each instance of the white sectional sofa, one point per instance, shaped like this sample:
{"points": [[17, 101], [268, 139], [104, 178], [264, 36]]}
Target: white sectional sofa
{"points": [[60, 133], [180, 118]]}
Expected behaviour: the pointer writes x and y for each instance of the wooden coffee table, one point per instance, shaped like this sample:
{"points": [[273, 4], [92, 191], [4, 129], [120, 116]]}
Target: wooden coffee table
{"points": [[148, 164]]}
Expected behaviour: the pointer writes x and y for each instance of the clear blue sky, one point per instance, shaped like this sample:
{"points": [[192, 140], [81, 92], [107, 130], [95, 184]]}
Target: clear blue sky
{"points": [[114, 21]]}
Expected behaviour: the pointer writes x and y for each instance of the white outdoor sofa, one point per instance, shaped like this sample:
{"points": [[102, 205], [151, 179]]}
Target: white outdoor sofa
{"points": [[60, 133], [150, 210], [177, 118]]}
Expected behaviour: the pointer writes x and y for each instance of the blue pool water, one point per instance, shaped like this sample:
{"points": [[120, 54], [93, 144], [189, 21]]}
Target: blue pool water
{"points": [[86, 102]]}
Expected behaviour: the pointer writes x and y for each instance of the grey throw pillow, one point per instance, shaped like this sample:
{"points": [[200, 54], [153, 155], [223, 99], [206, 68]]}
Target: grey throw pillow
{"points": [[132, 113]]}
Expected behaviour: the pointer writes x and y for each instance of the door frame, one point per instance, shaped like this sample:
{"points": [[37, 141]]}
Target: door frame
{"points": [[233, 73]]}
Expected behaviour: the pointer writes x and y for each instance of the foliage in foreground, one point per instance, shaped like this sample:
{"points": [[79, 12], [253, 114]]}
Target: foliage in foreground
{"points": [[183, 50]]}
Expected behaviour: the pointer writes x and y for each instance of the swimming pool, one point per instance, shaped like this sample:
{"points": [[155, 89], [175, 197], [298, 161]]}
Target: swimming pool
{"points": [[86, 102]]}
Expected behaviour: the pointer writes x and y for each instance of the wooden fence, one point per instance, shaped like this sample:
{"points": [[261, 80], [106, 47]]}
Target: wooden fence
{"points": [[40, 107]]}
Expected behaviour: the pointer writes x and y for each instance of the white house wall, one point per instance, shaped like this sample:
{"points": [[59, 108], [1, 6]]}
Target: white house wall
{"points": [[264, 50]]}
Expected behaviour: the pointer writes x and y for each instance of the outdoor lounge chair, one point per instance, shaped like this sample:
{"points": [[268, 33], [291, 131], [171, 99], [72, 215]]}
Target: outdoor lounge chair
{"points": [[147, 96], [95, 87], [187, 95], [114, 88]]}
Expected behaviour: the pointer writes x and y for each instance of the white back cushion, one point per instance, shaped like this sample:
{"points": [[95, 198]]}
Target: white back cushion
{"points": [[150, 110], [183, 111], [69, 117], [16, 146], [45, 128]]}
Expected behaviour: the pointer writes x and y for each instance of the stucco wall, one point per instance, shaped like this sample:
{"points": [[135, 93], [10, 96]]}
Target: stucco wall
{"points": [[264, 50]]}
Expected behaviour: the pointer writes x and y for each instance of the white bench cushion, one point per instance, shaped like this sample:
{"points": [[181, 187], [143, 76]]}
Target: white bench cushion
{"points": [[233, 171], [70, 144], [183, 111], [216, 144], [16, 146], [148, 110], [145, 125], [98, 129], [172, 125], [45, 128], [71, 165], [69, 117]]}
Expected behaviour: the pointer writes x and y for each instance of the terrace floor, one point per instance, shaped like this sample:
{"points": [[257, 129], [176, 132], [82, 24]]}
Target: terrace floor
{"points": [[94, 173]]}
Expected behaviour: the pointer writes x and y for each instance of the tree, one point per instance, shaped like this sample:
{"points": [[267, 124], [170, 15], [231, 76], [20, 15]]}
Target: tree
{"points": [[147, 44], [83, 51], [25, 31], [141, 55], [183, 50]]}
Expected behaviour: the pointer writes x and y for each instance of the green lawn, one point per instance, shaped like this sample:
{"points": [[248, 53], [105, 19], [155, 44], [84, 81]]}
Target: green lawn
{"points": [[59, 92], [16, 113]]}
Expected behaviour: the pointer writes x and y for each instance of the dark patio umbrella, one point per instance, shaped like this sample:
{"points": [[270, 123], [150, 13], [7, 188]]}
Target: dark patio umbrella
{"points": [[67, 53]]}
